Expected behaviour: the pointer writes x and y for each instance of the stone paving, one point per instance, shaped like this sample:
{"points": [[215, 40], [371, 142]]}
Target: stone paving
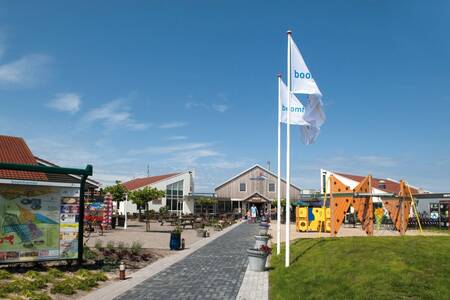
{"points": [[255, 286], [215, 271]]}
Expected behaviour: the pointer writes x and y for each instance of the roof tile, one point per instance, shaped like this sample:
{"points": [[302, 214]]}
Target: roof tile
{"points": [[141, 182], [14, 150], [390, 185]]}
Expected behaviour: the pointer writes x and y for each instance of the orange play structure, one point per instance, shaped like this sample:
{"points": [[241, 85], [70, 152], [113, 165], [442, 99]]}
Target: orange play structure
{"points": [[342, 196]]}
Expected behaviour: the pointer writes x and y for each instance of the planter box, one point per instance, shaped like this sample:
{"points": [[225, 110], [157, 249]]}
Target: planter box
{"points": [[263, 228], [261, 240], [256, 260], [175, 241]]}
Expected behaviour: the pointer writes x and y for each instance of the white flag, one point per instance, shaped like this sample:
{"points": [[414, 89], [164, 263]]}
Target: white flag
{"points": [[309, 134], [297, 108], [302, 81], [315, 117], [314, 113]]}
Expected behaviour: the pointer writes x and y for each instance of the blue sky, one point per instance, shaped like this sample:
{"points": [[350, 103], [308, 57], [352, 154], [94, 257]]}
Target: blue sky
{"points": [[192, 85]]}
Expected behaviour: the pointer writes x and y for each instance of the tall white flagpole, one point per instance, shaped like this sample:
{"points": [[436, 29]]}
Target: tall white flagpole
{"points": [[279, 170], [288, 152]]}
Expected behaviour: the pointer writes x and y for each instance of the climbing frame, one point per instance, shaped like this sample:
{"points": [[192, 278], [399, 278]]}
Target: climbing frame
{"points": [[364, 205], [339, 204], [399, 208]]}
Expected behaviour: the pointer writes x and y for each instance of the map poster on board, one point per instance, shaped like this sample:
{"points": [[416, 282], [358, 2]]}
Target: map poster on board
{"points": [[38, 223]]}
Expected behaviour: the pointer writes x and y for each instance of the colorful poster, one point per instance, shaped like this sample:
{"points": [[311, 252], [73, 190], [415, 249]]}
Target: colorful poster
{"points": [[35, 220]]}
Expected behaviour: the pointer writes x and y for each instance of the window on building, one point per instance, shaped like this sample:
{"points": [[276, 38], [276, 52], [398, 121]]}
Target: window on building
{"points": [[271, 187], [324, 182], [242, 187], [174, 196]]}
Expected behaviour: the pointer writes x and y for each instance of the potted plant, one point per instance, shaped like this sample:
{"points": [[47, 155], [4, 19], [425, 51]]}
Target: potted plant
{"points": [[175, 238], [257, 258], [263, 228], [262, 239]]}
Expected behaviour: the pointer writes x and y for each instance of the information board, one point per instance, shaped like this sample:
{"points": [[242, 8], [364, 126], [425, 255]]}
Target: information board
{"points": [[38, 223]]}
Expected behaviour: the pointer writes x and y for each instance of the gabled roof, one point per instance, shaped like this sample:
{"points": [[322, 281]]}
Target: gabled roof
{"points": [[257, 194], [391, 186], [14, 150], [248, 170], [141, 182], [68, 178]]}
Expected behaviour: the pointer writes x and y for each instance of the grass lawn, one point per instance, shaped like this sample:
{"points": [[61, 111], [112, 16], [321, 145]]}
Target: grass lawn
{"points": [[413, 267]]}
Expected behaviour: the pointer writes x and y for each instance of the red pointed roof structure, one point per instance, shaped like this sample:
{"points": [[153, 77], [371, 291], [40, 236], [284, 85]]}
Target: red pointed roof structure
{"points": [[387, 185], [141, 182], [14, 150]]}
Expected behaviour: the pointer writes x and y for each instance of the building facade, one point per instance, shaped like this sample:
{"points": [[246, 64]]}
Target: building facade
{"points": [[177, 187], [255, 185]]}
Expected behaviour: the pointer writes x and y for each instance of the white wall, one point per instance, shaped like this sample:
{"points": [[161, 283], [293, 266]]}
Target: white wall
{"points": [[349, 182], [188, 207]]}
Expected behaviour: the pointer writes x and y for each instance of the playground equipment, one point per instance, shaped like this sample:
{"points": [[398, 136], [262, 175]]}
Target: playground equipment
{"points": [[341, 197], [312, 219]]}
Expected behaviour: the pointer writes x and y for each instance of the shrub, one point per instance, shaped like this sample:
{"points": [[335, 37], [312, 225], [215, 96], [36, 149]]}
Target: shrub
{"points": [[99, 276], [83, 273], [38, 283], [53, 274], [88, 253], [121, 246], [136, 247], [110, 246], [83, 284], [16, 286], [98, 244], [39, 296], [64, 287], [4, 274]]}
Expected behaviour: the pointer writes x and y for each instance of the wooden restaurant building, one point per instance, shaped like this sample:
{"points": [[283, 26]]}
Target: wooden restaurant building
{"points": [[255, 185]]}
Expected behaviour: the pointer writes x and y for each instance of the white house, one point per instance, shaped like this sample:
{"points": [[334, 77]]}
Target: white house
{"points": [[176, 186]]}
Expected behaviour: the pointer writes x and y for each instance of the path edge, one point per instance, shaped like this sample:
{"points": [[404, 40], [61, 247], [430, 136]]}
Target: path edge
{"points": [[117, 288]]}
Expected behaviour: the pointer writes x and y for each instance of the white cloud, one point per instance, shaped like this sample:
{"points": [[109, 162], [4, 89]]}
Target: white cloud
{"points": [[26, 71], [170, 125], [224, 164], [62, 153], [169, 149], [220, 107], [176, 138], [67, 102], [114, 113]]}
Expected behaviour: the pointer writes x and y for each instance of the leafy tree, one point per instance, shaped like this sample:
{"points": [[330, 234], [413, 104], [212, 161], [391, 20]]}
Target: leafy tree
{"points": [[118, 192], [283, 203], [145, 195], [205, 202]]}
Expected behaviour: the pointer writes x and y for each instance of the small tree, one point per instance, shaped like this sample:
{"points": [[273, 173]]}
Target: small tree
{"points": [[145, 195], [117, 191]]}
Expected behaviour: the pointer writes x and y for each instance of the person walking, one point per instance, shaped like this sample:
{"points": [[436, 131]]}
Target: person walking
{"points": [[254, 212]]}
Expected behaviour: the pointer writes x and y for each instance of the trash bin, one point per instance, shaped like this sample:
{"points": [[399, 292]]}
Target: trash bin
{"points": [[121, 221]]}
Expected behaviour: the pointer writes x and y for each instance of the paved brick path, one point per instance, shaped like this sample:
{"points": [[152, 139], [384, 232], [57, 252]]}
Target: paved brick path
{"points": [[215, 271]]}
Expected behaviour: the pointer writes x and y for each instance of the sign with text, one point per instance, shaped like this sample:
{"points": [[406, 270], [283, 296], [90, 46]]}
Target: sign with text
{"points": [[38, 223]]}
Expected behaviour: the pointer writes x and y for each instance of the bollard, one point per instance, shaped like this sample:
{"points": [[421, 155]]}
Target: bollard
{"points": [[182, 244], [122, 271]]}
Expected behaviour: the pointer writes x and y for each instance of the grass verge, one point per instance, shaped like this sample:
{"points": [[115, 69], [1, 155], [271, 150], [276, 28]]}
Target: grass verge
{"points": [[413, 267]]}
